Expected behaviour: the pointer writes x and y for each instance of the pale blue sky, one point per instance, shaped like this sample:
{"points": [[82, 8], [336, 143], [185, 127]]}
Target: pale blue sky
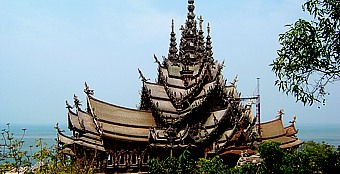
{"points": [[48, 49]]}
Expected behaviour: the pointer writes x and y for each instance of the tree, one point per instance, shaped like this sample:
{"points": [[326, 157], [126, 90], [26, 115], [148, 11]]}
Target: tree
{"points": [[309, 58], [12, 157], [319, 158]]}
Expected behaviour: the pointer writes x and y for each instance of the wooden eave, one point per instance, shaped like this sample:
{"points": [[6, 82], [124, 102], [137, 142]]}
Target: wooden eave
{"points": [[214, 117], [74, 123], [296, 143], [64, 139], [120, 123], [90, 141], [274, 131], [237, 150], [110, 113], [290, 130], [124, 137], [157, 91], [88, 122]]}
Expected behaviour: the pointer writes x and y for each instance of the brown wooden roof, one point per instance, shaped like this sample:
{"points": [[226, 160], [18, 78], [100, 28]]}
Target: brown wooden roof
{"points": [[122, 123], [113, 114], [292, 144], [91, 141], [274, 131], [157, 91], [290, 130], [64, 139], [86, 140], [73, 121], [87, 121], [214, 117]]}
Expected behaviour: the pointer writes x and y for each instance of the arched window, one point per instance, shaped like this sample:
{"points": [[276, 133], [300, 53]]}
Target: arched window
{"points": [[134, 159], [109, 160], [121, 158], [145, 158]]}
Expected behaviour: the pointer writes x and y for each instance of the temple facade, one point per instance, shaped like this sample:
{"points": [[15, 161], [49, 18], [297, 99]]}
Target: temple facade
{"points": [[190, 106]]}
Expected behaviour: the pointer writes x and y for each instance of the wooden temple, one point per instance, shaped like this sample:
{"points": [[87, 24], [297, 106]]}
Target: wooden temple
{"points": [[189, 107]]}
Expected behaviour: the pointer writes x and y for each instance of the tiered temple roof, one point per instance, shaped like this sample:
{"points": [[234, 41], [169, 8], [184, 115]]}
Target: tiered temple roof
{"points": [[190, 106], [274, 131]]}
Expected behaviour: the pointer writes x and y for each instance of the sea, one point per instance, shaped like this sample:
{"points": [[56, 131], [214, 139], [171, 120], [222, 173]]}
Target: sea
{"points": [[329, 134]]}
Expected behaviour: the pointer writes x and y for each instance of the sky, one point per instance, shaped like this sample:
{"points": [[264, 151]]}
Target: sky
{"points": [[48, 49]]}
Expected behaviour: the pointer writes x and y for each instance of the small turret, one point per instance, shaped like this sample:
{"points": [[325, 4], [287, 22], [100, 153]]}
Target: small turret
{"points": [[208, 47], [172, 56], [200, 46]]}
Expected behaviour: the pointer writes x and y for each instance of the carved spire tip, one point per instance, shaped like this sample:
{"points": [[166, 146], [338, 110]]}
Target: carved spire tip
{"points": [[172, 25], [208, 28], [201, 22]]}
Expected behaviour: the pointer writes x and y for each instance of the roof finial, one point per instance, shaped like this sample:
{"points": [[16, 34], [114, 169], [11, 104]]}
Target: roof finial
{"points": [[77, 102], [208, 28], [191, 8], [141, 76], [200, 41], [68, 106], [209, 53], [201, 22], [87, 90], [172, 56], [280, 113], [294, 120], [172, 25]]}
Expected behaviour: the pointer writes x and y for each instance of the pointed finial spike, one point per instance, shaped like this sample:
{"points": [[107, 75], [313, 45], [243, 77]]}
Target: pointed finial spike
{"points": [[208, 28], [172, 25], [87, 90], [201, 22]]}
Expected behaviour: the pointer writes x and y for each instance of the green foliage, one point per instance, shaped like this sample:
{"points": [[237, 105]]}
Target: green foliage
{"points": [[310, 158], [272, 155], [319, 158], [246, 169], [211, 166], [309, 57], [48, 159], [183, 164], [11, 151]]}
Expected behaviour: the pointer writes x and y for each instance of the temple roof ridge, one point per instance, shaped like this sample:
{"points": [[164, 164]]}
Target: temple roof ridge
{"points": [[114, 105]]}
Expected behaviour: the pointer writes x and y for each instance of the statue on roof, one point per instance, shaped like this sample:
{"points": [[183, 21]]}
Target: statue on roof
{"points": [[280, 113], [87, 90], [294, 120]]}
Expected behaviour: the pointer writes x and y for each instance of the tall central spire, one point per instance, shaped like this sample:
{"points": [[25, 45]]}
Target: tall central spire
{"points": [[189, 37]]}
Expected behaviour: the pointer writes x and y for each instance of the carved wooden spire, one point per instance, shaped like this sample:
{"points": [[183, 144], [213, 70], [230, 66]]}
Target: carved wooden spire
{"points": [[172, 56], [189, 37], [200, 46], [208, 45]]}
